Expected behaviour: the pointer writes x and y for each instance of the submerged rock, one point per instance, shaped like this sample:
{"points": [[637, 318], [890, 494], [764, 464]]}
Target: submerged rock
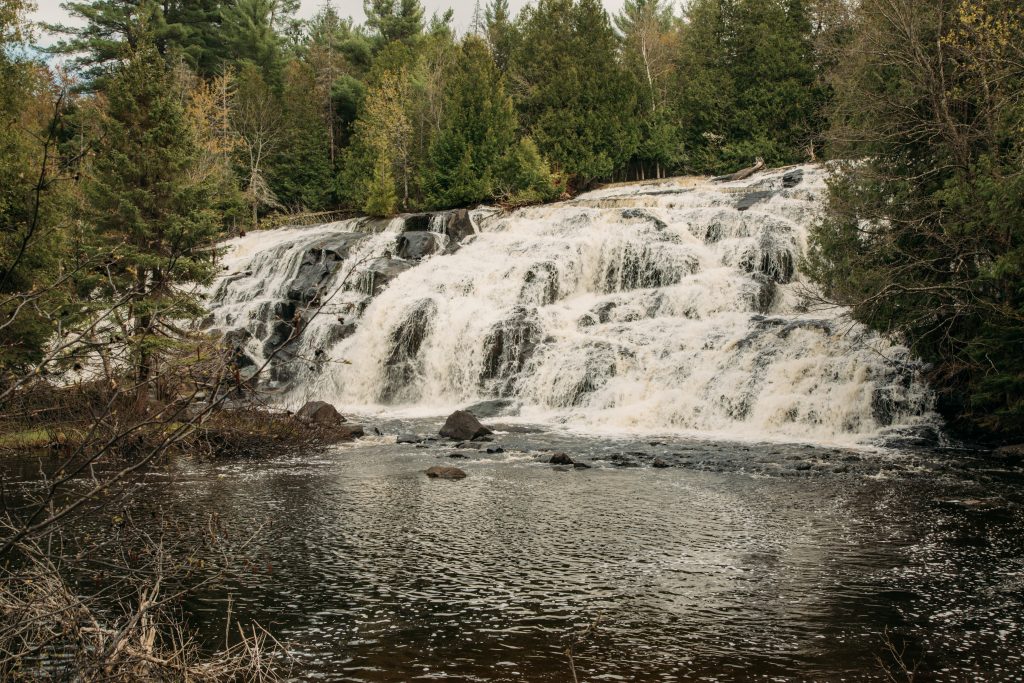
{"points": [[319, 412], [561, 459], [443, 472], [493, 408], [463, 426], [409, 438], [660, 463]]}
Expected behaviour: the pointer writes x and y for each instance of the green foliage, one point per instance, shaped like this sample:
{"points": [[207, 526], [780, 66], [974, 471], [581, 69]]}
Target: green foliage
{"points": [[924, 236], [301, 172], [575, 99], [394, 19], [747, 83], [380, 196], [150, 203], [102, 29], [479, 127], [32, 299], [524, 177]]}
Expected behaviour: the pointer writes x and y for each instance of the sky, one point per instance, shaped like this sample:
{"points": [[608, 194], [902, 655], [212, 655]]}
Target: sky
{"points": [[50, 10]]}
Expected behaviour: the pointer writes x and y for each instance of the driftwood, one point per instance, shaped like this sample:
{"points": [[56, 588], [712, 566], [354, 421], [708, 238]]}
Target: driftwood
{"points": [[741, 174]]}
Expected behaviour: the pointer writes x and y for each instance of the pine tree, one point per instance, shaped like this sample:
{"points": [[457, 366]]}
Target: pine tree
{"points": [[394, 19], [103, 29], [301, 172], [478, 127], [500, 32], [575, 99], [150, 204]]}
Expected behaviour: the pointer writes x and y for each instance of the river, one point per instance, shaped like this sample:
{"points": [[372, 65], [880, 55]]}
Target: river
{"points": [[740, 561]]}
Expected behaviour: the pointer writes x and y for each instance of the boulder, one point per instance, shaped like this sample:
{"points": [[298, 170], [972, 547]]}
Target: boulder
{"points": [[415, 245], [463, 426], [443, 472], [792, 178], [319, 413], [409, 438], [561, 459]]}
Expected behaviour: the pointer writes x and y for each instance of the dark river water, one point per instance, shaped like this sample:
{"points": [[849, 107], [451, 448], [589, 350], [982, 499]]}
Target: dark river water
{"points": [[738, 562]]}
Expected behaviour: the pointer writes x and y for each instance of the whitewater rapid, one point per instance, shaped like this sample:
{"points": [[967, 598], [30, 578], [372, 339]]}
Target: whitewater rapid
{"points": [[675, 306]]}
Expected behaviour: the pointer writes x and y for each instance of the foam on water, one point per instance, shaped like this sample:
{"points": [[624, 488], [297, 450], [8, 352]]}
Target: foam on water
{"points": [[673, 306]]}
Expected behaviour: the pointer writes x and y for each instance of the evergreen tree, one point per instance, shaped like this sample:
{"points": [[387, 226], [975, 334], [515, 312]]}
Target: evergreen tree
{"points": [[649, 45], [478, 127], [574, 97], [924, 234], [747, 83], [150, 204], [394, 19], [250, 34], [499, 31], [301, 174], [102, 29]]}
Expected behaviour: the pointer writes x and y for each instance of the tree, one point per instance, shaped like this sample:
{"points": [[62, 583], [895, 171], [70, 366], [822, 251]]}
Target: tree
{"points": [[478, 127], [256, 119], [394, 19], [649, 44], [33, 289], [574, 98], [151, 206], [499, 31], [924, 234], [301, 172], [101, 31], [747, 83], [381, 153], [250, 34]]}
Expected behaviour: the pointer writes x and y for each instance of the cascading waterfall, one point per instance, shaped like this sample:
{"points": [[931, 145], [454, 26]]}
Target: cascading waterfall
{"points": [[662, 306]]}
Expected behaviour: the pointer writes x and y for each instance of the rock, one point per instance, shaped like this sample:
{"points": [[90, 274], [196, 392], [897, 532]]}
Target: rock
{"points": [[443, 472], [581, 466], [380, 273], [409, 438], [802, 466], [750, 198], [792, 178], [495, 449], [415, 245], [659, 463], [463, 426], [493, 408], [561, 459], [319, 412], [458, 455], [485, 438]]}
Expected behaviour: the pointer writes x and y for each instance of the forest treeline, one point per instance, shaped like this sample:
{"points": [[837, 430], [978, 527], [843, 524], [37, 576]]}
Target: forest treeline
{"points": [[150, 129]]}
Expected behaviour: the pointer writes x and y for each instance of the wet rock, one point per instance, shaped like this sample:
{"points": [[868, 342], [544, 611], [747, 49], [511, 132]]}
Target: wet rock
{"points": [[495, 449], [581, 466], [622, 460], [643, 215], [443, 472], [561, 459], [660, 463], [507, 347], [977, 505], [792, 178], [320, 413], [409, 438], [414, 246], [380, 273], [750, 198], [458, 456], [403, 363], [484, 438], [463, 426], [493, 408]]}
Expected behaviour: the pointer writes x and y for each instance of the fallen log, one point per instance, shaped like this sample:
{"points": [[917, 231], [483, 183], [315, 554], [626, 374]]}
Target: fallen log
{"points": [[741, 174]]}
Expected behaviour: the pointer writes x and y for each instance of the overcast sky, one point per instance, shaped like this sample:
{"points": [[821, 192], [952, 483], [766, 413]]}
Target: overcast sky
{"points": [[50, 11]]}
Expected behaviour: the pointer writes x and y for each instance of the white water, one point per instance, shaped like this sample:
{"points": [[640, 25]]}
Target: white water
{"points": [[637, 307]]}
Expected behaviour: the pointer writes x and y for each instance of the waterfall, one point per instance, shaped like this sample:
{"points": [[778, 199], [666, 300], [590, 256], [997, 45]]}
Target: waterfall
{"points": [[667, 306]]}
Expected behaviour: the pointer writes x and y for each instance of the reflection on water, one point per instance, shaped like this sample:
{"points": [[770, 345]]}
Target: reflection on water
{"points": [[740, 562]]}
